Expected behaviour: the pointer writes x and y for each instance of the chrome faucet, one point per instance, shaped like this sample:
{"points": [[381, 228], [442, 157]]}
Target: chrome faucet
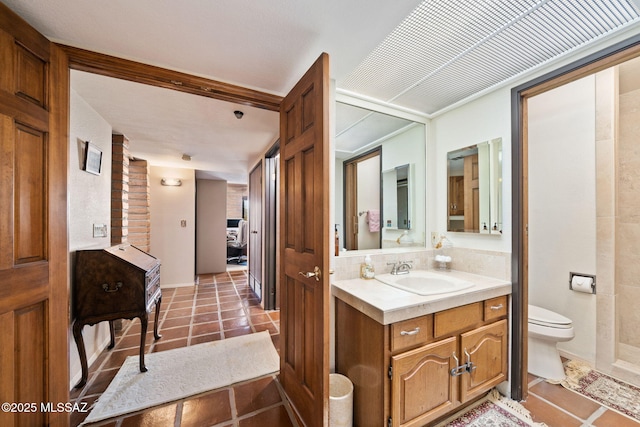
{"points": [[401, 267]]}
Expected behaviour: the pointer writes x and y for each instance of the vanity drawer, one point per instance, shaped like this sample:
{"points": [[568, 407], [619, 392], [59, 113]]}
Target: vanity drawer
{"points": [[458, 318], [411, 333], [495, 308]]}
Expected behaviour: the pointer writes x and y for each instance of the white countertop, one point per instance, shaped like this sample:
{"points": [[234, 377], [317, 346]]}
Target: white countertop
{"points": [[386, 304]]}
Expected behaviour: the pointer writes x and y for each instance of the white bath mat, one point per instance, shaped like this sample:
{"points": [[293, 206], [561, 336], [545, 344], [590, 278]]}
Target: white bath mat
{"points": [[186, 371]]}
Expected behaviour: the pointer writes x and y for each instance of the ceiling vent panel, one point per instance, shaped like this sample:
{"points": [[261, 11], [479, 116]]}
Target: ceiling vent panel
{"points": [[447, 51]]}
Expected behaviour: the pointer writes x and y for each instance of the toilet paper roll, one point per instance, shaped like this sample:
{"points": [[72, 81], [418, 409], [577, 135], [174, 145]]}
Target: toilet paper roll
{"points": [[582, 284]]}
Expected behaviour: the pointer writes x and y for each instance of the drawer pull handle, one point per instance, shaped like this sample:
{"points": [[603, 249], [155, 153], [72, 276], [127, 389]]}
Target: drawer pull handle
{"points": [[496, 307], [109, 288], [414, 332]]}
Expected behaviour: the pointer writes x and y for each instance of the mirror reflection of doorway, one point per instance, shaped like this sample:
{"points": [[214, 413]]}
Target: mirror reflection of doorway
{"points": [[362, 181]]}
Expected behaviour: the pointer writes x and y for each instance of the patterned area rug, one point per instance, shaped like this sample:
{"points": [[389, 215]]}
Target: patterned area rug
{"points": [[608, 391], [182, 372], [493, 411]]}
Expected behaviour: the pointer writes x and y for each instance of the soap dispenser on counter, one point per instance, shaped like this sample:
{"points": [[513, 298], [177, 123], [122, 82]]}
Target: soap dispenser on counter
{"points": [[366, 268], [443, 254]]}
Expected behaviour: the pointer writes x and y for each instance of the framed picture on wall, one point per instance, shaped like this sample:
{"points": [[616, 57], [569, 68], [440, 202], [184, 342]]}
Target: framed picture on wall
{"points": [[92, 158]]}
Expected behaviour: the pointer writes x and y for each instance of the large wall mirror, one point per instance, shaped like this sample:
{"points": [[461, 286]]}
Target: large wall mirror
{"points": [[380, 179], [475, 188]]}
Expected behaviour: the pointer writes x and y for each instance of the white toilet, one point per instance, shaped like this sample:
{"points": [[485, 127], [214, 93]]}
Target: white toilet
{"points": [[546, 329]]}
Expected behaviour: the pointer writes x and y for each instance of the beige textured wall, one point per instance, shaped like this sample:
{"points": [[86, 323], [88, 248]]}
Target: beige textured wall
{"points": [[627, 235], [173, 218], [211, 241], [89, 204]]}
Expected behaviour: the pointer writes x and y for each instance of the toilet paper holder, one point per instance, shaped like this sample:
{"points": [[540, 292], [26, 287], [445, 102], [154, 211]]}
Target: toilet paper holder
{"points": [[591, 276]]}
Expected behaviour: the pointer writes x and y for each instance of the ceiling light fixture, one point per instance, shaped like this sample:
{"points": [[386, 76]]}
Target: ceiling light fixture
{"points": [[238, 114]]}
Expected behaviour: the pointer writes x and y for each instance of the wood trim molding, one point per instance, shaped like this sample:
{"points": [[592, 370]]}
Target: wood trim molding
{"points": [[111, 66]]}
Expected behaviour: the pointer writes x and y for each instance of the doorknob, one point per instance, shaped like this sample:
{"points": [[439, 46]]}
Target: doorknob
{"points": [[315, 273], [254, 232]]}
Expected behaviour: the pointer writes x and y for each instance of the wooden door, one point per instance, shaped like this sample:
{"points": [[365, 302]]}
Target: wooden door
{"points": [[34, 300], [422, 387], [471, 194], [304, 244], [487, 348], [351, 206], [456, 195], [255, 230]]}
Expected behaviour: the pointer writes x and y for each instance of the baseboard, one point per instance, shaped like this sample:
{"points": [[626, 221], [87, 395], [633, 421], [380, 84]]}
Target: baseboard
{"points": [[177, 285]]}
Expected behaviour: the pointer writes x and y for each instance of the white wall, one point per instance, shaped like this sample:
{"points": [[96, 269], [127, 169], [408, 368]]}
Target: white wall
{"points": [[562, 206], [173, 244], [211, 241], [89, 203], [484, 119]]}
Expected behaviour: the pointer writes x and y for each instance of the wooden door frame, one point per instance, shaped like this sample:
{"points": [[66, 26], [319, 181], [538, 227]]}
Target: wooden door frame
{"points": [[350, 201], [271, 211], [605, 58], [257, 168], [138, 72]]}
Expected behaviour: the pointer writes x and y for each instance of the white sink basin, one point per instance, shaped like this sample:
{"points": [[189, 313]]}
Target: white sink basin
{"points": [[424, 282]]}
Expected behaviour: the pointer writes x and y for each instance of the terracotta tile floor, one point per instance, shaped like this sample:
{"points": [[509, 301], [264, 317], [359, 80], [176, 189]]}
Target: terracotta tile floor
{"points": [[223, 306], [219, 307], [558, 407]]}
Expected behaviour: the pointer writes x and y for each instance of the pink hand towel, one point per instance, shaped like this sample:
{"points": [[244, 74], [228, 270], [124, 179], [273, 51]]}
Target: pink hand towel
{"points": [[373, 218]]}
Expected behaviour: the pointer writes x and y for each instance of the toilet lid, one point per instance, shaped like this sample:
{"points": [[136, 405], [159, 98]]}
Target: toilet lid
{"points": [[543, 317]]}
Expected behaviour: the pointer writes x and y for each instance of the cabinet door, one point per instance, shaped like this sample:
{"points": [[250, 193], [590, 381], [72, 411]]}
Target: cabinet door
{"points": [[422, 387], [487, 349]]}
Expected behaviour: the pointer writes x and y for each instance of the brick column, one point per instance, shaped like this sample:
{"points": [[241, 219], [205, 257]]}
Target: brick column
{"points": [[139, 213], [119, 189]]}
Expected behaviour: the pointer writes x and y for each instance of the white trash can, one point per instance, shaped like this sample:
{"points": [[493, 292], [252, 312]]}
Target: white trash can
{"points": [[340, 401]]}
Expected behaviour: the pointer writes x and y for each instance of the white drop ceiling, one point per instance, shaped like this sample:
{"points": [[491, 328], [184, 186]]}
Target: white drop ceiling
{"points": [[423, 56]]}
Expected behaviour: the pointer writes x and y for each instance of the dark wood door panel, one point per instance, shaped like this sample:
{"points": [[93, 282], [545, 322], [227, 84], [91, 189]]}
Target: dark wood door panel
{"points": [[304, 251], [23, 111], [21, 286], [24, 362], [34, 298], [29, 195], [31, 76]]}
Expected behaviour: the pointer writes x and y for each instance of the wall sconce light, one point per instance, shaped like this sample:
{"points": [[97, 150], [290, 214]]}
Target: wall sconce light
{"points": [[171, 182]]}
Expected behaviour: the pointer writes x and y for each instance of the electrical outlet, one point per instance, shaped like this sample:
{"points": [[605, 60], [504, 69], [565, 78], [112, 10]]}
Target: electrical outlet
{"points": [[434, 238]]}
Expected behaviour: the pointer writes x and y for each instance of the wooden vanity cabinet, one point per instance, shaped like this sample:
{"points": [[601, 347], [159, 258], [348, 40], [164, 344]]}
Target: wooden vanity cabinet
{"points": [[402, 372]]}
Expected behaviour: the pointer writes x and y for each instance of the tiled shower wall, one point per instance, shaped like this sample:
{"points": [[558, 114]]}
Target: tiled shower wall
{"points": [[627, 226], [618, 224]]}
